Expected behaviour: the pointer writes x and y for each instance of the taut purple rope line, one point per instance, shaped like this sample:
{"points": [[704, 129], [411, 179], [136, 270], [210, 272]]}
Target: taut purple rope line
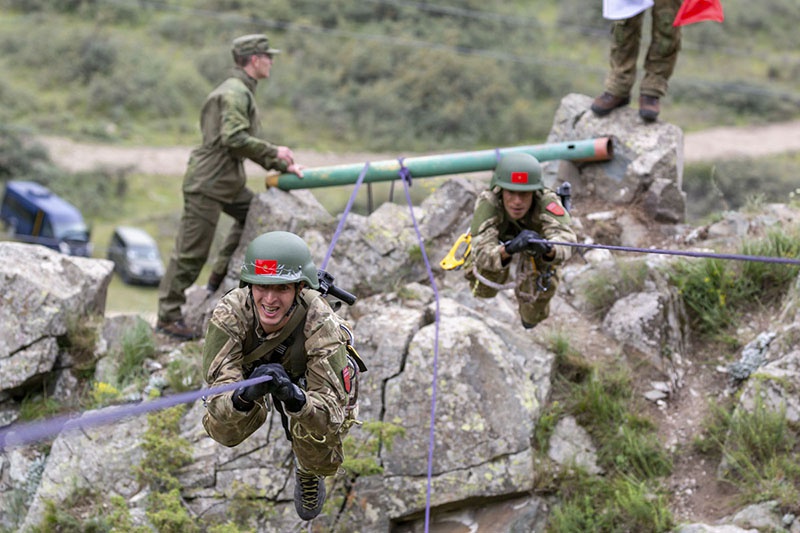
{"points": [[21, 434], [405, 176], [732, 257], [344, 215]]}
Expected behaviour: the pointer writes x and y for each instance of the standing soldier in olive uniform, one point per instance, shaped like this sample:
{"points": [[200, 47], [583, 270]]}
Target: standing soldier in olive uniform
{"points": [[276, 324], [518, 215], [662, 55], [215, 180]]}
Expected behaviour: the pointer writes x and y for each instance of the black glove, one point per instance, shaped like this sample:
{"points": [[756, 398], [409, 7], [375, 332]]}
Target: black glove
{"points": [[279, 386], [539, 249], [282, 387], [520, 242], [526, 241], [244, 397]]}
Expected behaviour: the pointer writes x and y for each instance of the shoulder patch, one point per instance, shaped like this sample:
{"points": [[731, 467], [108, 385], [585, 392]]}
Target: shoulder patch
{"points": [[556, 209], [346, 378]]}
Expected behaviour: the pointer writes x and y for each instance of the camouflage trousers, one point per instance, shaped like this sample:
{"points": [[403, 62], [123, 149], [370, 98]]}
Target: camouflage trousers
{"points": [[662, 53], [534, 287], [192, 246], [319, 455]]}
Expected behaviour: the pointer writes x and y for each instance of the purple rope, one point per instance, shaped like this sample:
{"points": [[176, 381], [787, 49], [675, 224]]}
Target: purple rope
{"points": [[405, 174], [21, 434], [344, 215], [733, 257]]}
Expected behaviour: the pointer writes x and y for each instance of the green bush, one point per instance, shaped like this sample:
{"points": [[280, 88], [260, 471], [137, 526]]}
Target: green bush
{"points": [[628, 496], [165, 451], [715, 291], [760, 455], [728, 184], [136, 345]]}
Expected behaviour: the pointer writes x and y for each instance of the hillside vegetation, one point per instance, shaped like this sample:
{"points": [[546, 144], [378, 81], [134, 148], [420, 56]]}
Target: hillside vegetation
{"points": [[389, 75], [377, 74]]}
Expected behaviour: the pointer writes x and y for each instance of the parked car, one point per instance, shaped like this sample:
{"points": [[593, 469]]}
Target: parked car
{"points": [[33, 214], [135, 255]]}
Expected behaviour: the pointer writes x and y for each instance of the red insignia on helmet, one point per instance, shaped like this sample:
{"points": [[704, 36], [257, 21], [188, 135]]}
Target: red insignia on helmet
{"points": [[554, 208], [346, 375], [519, 177], [266, 267]]}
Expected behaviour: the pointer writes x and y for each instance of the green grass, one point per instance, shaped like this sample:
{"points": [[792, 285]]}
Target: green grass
{"points": [[759, 449], [717, 291], [137, 345], [629, 496], [607, 285]]}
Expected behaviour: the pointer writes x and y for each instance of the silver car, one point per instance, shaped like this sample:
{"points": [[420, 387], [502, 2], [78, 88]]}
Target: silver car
{"points": [[135, 255]]}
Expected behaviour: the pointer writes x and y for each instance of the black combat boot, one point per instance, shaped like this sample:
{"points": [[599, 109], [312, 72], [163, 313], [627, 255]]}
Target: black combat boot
{"points": [[309, 494]]}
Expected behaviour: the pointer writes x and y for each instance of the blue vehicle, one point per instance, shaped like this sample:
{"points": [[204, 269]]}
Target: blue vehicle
{"points": [[33, 214]]}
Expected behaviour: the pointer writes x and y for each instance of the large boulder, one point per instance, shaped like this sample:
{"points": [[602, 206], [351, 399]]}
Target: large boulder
{"points": [[647, 163], [44, 292]]}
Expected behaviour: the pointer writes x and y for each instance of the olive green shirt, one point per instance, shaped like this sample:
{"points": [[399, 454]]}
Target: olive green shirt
{"points": [[230, 126]]}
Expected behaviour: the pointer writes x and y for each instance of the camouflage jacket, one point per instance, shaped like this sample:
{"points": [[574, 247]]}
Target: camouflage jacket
{"points": [[491, 227], [234, 331], [230, 127]]}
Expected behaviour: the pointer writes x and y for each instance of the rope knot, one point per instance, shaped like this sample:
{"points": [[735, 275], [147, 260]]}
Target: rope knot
{"points": [[404, 173]]}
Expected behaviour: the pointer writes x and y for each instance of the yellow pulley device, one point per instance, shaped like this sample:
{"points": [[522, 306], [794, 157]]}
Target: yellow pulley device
{"points": [[458, 253]]}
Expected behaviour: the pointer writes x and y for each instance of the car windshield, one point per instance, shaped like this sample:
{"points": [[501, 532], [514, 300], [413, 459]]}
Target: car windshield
{"points": [[75, 231], [143, 252]]}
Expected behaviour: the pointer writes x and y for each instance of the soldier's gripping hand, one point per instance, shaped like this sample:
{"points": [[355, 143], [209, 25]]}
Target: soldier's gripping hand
{"points": [[521, 242], [282, 387], [542, 248], [244, 397]]}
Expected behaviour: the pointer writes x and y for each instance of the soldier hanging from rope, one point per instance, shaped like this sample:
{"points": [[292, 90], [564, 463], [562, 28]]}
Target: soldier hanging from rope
{"points": [[278, 325], [517, 215]]}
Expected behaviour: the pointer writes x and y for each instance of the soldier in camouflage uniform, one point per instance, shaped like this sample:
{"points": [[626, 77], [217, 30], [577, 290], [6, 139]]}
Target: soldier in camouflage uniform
{"points": [[276, 324], [517, 216], [662, 55], [215, 180]]}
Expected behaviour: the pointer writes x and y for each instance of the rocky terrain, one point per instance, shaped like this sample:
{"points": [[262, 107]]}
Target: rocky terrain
{"points": [[483, 469]]}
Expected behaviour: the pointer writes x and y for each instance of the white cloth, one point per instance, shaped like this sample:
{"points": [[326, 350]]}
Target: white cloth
{"points": [[623, 9]]}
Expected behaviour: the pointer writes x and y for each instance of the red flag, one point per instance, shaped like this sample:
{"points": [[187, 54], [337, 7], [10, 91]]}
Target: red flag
{"points": [[692, 11], [519, 177], [266, 267]]}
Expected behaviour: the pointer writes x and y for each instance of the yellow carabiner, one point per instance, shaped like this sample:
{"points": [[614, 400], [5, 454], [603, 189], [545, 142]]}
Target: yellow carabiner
{"points": [[458, 253]]}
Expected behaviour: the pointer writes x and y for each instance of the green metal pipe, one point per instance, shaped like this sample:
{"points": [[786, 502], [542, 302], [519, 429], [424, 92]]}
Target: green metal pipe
{"points": [[598, 149]]}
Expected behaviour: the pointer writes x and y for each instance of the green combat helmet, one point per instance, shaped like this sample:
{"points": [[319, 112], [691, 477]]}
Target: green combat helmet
{"points": [[518, 171], [278, 257]]}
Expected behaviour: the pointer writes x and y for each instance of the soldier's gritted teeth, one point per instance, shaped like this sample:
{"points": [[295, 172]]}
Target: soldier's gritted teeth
{"points": [[273, 303]]}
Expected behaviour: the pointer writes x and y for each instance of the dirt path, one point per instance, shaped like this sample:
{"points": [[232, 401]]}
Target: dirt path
{"points": [[752, 141]]}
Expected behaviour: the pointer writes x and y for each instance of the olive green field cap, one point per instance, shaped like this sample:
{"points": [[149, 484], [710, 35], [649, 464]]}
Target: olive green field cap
{"points": [[256, 43], [518, 171]]}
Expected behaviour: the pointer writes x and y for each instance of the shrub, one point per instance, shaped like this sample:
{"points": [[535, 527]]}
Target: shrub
{"points": [[760, 454], [716, 290], [628, 496], [165, 450], [137, 344]]}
